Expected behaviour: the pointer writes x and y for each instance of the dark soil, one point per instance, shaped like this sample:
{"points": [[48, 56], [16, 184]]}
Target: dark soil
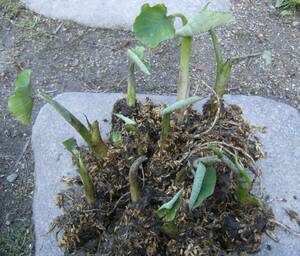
{"points": [[115, 226], [66, 56]]}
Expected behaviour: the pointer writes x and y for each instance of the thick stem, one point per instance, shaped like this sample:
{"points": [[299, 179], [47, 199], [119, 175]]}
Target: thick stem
{"points": [[87, 183], [131, 89], [183, 89], [135, 192], [98, 145], [165, 128]]}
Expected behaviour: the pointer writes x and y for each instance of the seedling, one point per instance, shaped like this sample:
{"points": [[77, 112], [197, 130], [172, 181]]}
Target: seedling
{"points": [[130, 124], [20, 105], [166, 115], [242, 192], [153, 26], [116, 137], [71, 146], [204, 185], [224, 68], [135, 191], [136, 58], [168, 210]]}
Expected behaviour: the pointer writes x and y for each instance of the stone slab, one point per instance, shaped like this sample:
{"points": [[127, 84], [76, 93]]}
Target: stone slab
{"points": [[113, 13], [280, 168]]}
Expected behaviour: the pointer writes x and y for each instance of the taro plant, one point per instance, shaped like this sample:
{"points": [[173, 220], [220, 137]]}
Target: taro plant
{"points": [[135, 191], [130, 124], [20, 105], [245, 185], [205, 179], [136, 58], [71, 146], [168, 212], [224, 68], [166, 115], [154, 26]]}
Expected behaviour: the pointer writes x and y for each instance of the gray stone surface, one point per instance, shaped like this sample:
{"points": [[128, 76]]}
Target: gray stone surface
{"points": [[280, 168], [113, 13]]}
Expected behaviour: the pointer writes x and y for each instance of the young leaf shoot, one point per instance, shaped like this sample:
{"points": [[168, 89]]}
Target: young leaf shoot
{"points": [[136, 58], [169, 209], [166, 114], [71, 146], [203, 186], [20, 106]]}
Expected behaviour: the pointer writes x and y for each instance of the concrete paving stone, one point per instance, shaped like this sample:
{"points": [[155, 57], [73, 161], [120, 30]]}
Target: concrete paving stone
{"points": [[113, 13]]}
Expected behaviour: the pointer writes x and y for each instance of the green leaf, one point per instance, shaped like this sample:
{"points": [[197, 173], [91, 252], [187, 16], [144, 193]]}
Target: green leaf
{"points": [[286, 13], [153, 25], [20, 103], [267, 56], [179, 105], [245, 198], [116, 137], [279, 3], [203, 186], [126, 120], [71, 145], [136, 56], [69, 117], [204, 21], [169, 209]]}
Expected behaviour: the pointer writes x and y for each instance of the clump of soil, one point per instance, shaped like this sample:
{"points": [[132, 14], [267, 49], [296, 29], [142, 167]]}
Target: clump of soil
{"points": [[114, 226]]}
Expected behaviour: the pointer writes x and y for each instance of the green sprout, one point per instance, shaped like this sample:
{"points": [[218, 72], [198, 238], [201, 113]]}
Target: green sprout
{"points": [[168, 210], [166, 115], [204, 184], [20, 105], [135, 191], [130, 124], [224, 68], [245, 185], [153, 26], [136, 58], [71, 146]]}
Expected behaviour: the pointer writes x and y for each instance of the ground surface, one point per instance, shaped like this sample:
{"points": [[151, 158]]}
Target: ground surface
{"points": [[65, 56]]}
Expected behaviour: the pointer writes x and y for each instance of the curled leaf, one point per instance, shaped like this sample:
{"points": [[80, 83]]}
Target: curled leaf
{"points": [[136, 56], [169, 209], [204, 21], [71, 145], [203, 186], [180, 104], [126, 120], [153, 25]]}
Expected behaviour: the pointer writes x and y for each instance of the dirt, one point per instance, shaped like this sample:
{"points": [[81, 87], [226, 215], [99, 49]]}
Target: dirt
{"points": [[118, 226], [65, 56]]}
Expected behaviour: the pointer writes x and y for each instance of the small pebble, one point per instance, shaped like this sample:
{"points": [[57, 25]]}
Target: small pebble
{"points": [[11, 178], [296, 23]]}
